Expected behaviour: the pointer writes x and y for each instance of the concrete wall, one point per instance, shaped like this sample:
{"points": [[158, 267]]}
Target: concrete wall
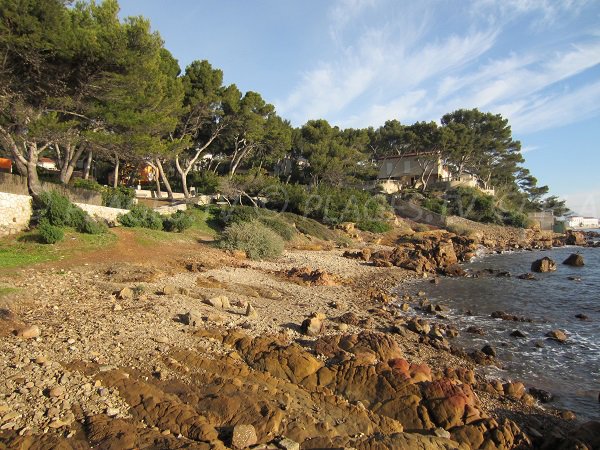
{"points": [[16, 184], [15, 212], [544, 220], [415, 213]]}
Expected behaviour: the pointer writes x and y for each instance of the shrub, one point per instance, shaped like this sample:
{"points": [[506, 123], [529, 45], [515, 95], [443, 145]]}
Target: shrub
{"points": [[437, 205], [459, 229], [143, 217], [258, 241], [374, 226], [205, 182], [50, 234], [55, 208], [90, 185], [516, 219], [241, 214], [58, 211], [420, 227], [120, 197], [279, 226], [180, 221]]}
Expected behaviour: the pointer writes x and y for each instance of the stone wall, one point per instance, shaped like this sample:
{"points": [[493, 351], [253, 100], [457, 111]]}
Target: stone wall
{"points": [[103, 213], [15, 213], [16, 184]]}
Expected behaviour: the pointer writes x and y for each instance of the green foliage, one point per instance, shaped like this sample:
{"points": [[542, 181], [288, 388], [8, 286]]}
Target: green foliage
{"points": [[90, 185], [143, 217], [120, 197], [244, 214], [50, 234], [374, 226], [254, 238], [437, 205], [180, 221], [58, 211], [472, 204], [206, 182]]}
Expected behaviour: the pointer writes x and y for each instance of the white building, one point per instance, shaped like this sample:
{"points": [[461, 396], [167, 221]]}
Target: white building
{"points": [[582, 222]]}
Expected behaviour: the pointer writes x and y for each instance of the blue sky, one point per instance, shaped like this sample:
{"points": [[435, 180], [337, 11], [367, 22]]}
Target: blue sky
{"points": [[358, 63]]}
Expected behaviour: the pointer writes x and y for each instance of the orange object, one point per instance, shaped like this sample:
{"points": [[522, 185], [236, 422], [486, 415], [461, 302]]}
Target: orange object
{"points": [[5, 165]]}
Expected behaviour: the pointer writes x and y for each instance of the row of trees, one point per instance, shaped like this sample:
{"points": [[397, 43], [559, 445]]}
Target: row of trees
{"points": [[77, 82]]}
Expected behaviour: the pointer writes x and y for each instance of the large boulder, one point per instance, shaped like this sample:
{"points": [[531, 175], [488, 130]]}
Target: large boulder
{"points": [[575, 260], [575, 238], [543, 265]]}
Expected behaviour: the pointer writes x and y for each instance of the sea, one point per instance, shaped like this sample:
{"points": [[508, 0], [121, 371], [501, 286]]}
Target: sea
{"points": [[570, 371]]}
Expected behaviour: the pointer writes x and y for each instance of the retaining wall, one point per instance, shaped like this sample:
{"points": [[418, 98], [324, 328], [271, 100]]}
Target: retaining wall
{"points": [[16, 184], [15, 213], [416, 213]]}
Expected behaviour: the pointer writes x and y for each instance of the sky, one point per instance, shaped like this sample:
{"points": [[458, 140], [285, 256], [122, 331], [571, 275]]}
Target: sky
{"points": [[358, 63]]}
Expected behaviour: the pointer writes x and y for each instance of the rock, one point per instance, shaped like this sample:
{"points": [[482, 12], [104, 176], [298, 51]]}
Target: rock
{"points": [[243, 436], [440, 432], [191, 318], [30, 332], [251, 312], [57, 391], [288, 444], [571, 278], [169, 289], [126, 293], [404, 307], [575, 260], [567, 415], [112, 412], [518, 334], [527, 276], [540, 394], [543, 265], [41, 360], [575, 238], [581, 316], [514, 390], [475, 330], [313, 326], [557, 335], [218, 302], [117, 307], [489, 350]]}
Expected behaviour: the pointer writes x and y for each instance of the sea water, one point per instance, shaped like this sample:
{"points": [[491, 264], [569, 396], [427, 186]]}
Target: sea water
{"points": [[571, 371]]}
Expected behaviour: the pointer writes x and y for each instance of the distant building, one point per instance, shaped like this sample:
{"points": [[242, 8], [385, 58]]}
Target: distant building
{"points": [[47, 163], [543, 220], [396, 172], [582, 222]]}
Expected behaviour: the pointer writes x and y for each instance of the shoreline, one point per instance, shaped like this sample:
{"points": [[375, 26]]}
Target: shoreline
{"points": [[155, 330]]}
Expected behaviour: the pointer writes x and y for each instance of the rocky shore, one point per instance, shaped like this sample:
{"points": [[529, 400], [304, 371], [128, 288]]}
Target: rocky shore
{"points": [[199, 349]]}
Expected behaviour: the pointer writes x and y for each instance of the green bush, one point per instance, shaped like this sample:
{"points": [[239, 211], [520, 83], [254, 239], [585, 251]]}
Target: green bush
{"points": [[50, 234], [473, 204], [254, 238], [437, 205], [120, 197], [58, 211], [180, 221], [143, 217], [516, 219], [374, 226], [241, 214], [205, 182], [90, 185]]}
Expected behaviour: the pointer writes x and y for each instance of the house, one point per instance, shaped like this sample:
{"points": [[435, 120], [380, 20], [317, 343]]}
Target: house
{"points": [[582, 222], [396, 172], [47, 163], [5, 165]]}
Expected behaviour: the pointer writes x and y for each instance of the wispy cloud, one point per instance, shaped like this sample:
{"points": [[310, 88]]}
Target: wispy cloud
{"points": [[400, 62]]}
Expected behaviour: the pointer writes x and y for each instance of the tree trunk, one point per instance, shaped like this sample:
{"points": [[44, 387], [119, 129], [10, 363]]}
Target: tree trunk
{"points": [[69, 162], [33, 181], [116, 172], [164, 179], [87, 166], [183, 176]]}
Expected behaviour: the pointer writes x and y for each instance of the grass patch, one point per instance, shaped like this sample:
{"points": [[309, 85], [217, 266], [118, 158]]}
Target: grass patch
{"points": [[206, 220], [7, 290], [27, 249]]}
